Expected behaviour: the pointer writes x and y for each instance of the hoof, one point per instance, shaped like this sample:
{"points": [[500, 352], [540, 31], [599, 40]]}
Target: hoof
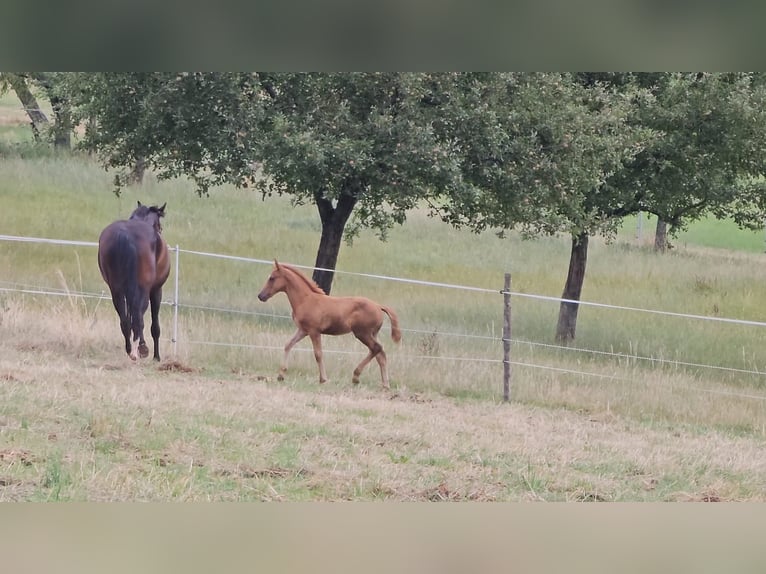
{"points": [[280, 377], [355, 381], [143, 351], [322, 382]]}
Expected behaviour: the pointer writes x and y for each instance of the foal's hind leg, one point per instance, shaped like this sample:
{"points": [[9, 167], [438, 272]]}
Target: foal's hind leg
{"points": [[376, 352], [155, 298], [299, 334]]}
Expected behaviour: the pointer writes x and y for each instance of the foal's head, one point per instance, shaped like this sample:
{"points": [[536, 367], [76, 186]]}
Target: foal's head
{"points": [[150, 214], [274, 284]]}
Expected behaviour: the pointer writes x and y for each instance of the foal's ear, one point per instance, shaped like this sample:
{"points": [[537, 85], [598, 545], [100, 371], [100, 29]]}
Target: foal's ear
{"points": [[276, 264], [139, 204], [161, 210]]}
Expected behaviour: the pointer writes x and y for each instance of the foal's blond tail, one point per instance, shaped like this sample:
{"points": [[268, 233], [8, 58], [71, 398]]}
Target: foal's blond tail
{"points": [[396, 333]]}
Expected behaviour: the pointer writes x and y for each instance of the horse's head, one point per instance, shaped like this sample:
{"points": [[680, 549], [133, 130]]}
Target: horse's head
{"points": [[150, 214], [274, 284]]}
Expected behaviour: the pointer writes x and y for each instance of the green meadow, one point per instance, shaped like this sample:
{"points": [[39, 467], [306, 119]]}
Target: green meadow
{"points": [[643, 406]]}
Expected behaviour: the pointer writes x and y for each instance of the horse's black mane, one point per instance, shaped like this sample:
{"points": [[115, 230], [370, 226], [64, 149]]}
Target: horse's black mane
{"points": [[143, 213]]}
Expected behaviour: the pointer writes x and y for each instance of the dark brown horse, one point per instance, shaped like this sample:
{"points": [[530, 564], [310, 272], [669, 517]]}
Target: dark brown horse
{"points": [[134, 262], [316, 314]]}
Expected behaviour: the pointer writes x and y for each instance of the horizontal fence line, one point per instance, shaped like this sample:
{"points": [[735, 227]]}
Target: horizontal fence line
{"points": [[54, 293], [22, 239], [624, 308], [424, 283], [637, 357], [61, 292]]}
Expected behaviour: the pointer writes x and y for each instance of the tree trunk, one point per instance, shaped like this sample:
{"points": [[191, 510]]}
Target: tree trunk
{"points": [[661, 236], [136, 176], [567, 325], [62, 129], [334, 220], [28, 100]]}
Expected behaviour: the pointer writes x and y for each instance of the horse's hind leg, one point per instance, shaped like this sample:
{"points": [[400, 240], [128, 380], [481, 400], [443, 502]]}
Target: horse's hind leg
{"points": [[118, 300], [382, 361], [143, 350], [376, 352], [155, 299], [299, 334]]}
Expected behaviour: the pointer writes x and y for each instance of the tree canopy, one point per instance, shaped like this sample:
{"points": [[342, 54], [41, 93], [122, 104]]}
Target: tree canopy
{"points": [[542, 153], [349, 143]]}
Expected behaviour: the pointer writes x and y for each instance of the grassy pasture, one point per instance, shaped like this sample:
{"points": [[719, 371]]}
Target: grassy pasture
{"points": [[78, 421]]}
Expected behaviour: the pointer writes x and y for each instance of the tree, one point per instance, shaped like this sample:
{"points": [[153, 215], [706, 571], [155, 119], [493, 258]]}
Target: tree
{"points": [[51, 84], [710, 138], [19, 84], [198, 125], [705, 133], [548, 143], [351, 143], [348, 143], [596, 147]]}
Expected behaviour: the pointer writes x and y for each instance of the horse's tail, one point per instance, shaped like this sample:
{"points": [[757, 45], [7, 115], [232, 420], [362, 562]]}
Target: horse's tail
{"points": [[396, 333], [123, 267], [132, 291]]}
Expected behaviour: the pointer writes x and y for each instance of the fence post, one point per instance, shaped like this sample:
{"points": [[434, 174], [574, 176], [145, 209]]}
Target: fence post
{"points": [[507, 338], [175, 307]]}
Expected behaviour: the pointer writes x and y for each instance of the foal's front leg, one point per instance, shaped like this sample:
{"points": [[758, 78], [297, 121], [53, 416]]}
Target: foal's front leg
{"points": [[299, 334], [316, 341]]}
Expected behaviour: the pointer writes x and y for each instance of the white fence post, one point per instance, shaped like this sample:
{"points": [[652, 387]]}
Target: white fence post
{"points": [[175, 306], [507, 338]]}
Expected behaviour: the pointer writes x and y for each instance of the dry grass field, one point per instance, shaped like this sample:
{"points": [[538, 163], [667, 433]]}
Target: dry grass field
{"points": [[79, 421]]}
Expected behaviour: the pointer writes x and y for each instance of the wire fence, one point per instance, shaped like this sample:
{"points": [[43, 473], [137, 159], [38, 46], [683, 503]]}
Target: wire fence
{"points": [[176, 304]]}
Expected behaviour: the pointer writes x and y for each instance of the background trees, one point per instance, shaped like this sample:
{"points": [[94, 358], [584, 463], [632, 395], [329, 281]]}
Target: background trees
{"points": [[542, 153], [711, 139], [348, 143], [551, 144]]}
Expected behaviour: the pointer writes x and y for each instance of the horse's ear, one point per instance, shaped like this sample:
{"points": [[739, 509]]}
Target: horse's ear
{"points": [[276, 264], [161, 210], [139, 204]]}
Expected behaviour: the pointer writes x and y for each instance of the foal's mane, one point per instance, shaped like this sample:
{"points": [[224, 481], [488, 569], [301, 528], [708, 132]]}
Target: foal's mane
{"points": [[310, 283]]}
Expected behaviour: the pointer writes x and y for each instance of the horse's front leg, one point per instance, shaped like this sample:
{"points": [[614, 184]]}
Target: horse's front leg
{"points": [[316, 341], [299, 334], [155, 299]]}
